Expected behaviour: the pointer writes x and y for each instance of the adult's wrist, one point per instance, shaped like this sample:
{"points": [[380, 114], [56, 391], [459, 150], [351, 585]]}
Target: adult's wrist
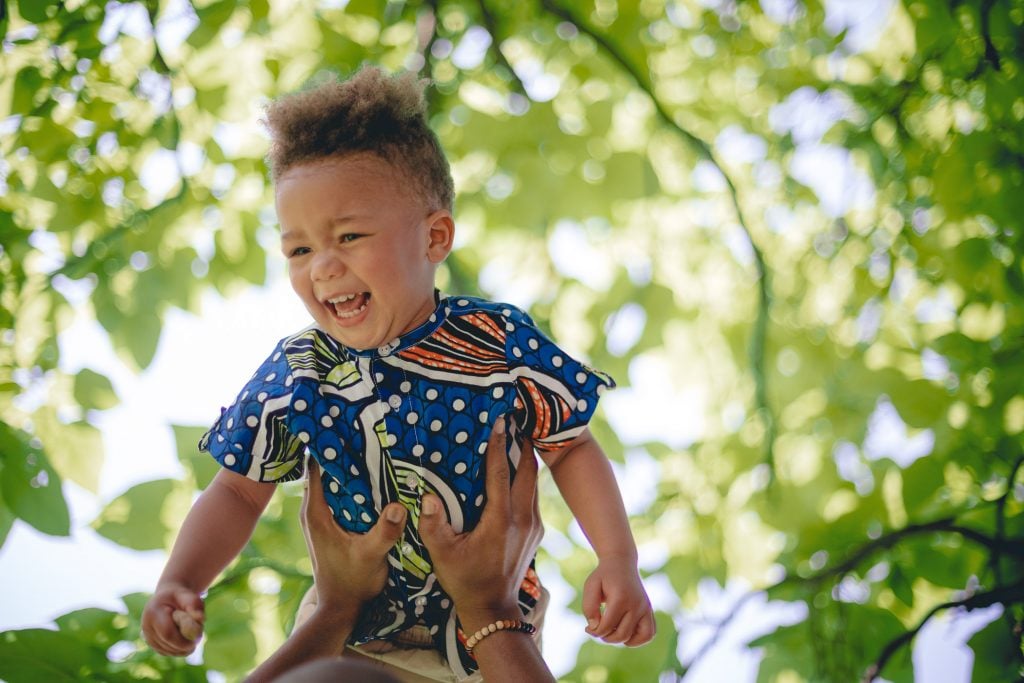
{"points": [[475, 618]]}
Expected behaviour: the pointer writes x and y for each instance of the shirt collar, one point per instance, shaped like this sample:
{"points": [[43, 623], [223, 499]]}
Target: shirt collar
{"points": [[413, 336]]}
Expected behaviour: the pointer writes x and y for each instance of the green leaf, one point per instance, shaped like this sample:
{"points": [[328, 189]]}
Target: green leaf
{"points": [[94, 391], [35, 655], [996, 653], [30, 486], [27, 83], [75, 450], [201, 465], [35, 11], [146, 516], [626, 665]]}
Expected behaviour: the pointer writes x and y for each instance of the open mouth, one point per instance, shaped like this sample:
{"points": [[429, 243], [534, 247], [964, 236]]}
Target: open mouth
{"points": [[348, 305]]}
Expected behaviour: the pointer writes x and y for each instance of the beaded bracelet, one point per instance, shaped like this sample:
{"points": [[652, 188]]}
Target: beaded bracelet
{"points": [[514, 625]]}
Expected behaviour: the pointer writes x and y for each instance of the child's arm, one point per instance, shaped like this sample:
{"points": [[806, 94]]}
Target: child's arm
{"points": [[214, 532], [587, 483]]}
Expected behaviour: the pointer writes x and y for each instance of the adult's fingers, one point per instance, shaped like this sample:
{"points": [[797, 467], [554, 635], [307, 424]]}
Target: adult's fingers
{"points": [[434, 528], [388, 529], [524, 488], [498, 473]]}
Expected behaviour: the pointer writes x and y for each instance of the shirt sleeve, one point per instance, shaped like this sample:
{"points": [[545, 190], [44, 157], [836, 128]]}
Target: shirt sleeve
{"points": [[251, 436], [556, 395]]}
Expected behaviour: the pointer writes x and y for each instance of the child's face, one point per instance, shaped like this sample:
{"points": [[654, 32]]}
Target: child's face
{"points": [[361, 247]]}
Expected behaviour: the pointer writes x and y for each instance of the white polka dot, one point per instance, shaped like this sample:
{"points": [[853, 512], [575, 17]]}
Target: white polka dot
{"points": [[581, 377], [581, 404], [463, 302], [359, 498], [435, 456], [379, 377], [333, 486], [516, 352], [479, 500], [506, 311], [330, 453], [435, 426], [433, 629], [252, 420], [326, 421], [498, 392], [288, 381], [245, 394], [463, 497], [354, 470], [510, 327], [417, 450], [533, 343], [271, 377], [231, 423], [445, 603], [460, 468], [405, 387], [304, 437], [556, 361], [347, 514], [431, 394], [335, 411], [412, 418], [482, 448], [458, 404], [365, 517], [601, 389], [277, 356], [300, 405], [483, 416], [447, 310], [392, 439], [220, 438], [261, 397], [229, 460], [433, 318], [461, 437]]}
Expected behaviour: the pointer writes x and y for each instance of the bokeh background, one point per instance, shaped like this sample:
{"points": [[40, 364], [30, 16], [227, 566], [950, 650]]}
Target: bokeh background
{"points": [[791, 229]]}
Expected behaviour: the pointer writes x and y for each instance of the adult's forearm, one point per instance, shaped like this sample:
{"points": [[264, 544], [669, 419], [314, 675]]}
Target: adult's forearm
{"points": [[324, 634]]}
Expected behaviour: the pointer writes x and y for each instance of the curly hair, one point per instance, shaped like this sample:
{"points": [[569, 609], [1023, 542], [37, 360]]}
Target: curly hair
{"points": [[370, 112]]}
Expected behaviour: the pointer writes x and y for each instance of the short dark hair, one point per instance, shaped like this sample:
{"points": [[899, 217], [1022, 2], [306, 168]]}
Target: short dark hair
{"points": [[370, 112]]}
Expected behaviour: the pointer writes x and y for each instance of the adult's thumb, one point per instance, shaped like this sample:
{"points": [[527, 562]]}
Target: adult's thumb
{"points": [[433, 526], [390, 524]]}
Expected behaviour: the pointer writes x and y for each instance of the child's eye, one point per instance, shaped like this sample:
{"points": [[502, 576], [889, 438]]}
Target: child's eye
{"points": [[298, 251], [350, 237]]}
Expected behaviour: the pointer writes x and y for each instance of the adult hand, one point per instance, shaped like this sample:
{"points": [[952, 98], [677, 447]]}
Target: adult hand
{"points": [[348, 568], [482, 569]]}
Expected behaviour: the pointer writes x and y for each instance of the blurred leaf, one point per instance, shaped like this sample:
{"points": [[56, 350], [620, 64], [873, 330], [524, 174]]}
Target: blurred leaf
{"points": [[202, 466], [30, 486], [996, 653], [145, 516], [93, 390]]}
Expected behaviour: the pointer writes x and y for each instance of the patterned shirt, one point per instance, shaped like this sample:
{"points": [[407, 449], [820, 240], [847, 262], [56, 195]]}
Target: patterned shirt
{"points": [[408, 418]]}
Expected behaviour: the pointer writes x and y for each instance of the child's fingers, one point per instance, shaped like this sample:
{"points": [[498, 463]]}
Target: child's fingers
{"points": [[644, 632], [164, 636], [190, 603], [621, 631], [592, 598]]}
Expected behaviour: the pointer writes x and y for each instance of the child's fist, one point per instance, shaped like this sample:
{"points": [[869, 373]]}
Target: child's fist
{"points": [[172, 622], [627, 616]]}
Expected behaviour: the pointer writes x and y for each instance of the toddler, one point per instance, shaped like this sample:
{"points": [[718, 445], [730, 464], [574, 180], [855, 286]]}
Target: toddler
{"points": [[395, 388]]}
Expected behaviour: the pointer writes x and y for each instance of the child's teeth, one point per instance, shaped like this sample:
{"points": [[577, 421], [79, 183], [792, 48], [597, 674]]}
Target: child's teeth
{"points": [[350, 314]]}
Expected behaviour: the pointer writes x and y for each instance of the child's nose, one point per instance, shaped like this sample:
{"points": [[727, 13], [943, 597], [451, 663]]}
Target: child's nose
{"points": [[326, 266]]}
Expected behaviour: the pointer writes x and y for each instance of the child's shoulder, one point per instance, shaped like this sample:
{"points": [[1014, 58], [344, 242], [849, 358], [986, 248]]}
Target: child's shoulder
{"points": [[465, 305]]}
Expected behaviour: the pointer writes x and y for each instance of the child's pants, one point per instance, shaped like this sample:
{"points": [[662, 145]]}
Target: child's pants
{"points": [[411, 657]]}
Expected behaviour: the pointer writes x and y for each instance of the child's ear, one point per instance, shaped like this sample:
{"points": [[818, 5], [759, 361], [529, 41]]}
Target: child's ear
{"points": [[440, 235]]}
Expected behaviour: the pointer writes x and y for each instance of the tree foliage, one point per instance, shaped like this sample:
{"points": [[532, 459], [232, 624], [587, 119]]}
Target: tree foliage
{"points": [[815, 233]]}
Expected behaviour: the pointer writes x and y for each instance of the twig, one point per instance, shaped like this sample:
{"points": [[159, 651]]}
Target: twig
{"points": [[491, 24], [704, 151], [1012, 593], [719, 630]]}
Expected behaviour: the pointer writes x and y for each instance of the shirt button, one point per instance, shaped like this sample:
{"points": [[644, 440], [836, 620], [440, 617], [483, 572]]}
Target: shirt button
{"points": [[395, 401], [412, 480], [407, 548], [421, 601]]}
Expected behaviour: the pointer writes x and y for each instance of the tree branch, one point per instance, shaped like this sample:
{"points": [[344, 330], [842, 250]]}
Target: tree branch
{"points": [[491, 24], [704, 151], [1012, 593]]}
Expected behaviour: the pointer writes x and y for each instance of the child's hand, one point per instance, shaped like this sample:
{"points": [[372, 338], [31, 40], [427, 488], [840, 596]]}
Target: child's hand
{"points": [[172, 622], [627, 617]]}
